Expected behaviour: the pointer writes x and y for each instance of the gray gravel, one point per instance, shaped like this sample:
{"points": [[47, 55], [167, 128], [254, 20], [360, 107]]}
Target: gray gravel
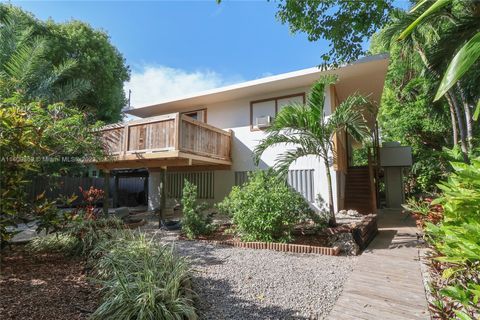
{"points": [[235, 283]]}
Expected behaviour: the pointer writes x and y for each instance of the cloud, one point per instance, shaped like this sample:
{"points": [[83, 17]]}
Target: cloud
{"points": [[152, 84]]}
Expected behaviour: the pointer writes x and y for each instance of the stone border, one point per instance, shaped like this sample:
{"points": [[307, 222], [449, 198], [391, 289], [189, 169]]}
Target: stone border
{"points": [[426, 276], [283, 247]]}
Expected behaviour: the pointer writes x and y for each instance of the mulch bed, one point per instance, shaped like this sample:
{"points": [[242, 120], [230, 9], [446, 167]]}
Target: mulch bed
{"points": [[298, 238], [44, 286]]}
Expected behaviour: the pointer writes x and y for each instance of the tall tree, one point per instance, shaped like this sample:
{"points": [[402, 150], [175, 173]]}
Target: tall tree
{"points": [[345, 24], [310, 132], [437, 39], [407, 115], [97, 61], [25, 69]]}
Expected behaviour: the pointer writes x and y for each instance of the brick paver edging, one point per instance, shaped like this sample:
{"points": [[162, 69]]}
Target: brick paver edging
{"points": [[284, 247]]}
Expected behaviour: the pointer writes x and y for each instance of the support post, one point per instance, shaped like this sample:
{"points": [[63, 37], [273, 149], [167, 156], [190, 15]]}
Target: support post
{"points": [[115, 191], [163, 200], [106, 187], [145, 189]]}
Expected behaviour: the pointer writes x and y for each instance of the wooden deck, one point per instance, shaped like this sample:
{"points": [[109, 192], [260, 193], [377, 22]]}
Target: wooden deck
{"points": [[173, 140], [386, 282]]}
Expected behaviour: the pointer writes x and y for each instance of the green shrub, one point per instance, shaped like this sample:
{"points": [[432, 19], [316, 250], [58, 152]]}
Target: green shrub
{"points": [[457, 238], [79, 238], [461, 192], [194, 223], [265, 208], [142, 279], [58, 243], [90, 232]]}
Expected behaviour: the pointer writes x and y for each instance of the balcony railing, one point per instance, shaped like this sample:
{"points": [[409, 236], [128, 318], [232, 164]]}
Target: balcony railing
{"points": [[167, 136]]}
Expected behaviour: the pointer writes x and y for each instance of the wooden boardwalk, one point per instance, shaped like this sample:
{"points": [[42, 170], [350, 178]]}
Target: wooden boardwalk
{"points": [[386, 283]]}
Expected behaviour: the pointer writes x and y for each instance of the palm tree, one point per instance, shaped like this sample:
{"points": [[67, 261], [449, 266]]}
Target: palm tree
{"points": [[435, 41], [468, 49], [459, 43], [310, 131], [25, 71]]}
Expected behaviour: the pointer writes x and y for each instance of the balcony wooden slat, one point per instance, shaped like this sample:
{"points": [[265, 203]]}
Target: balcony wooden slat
{"points": [[169, 139]]}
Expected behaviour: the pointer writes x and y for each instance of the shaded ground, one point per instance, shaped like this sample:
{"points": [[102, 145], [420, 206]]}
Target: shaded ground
{"points": [[387, 281], [236, 283], [46, 286]]}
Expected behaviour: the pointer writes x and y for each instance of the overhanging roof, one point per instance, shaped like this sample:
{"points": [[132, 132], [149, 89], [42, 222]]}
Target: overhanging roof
{"points": [[366, 75]]}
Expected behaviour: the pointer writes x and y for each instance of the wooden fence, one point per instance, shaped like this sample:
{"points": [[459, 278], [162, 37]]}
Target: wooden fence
{"points": [[130, 188]]}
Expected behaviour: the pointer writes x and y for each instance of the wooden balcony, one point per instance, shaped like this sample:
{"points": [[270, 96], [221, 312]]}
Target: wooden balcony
{"points": [[171, 140]]}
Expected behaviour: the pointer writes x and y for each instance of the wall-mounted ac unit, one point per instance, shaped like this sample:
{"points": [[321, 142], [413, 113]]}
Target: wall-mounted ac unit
{"points": [[263, 122]]}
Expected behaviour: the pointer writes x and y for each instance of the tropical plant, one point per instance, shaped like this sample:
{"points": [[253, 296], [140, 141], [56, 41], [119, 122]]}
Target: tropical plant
{"points": [[457, 241], [89, 233], [423, 211], [26, 69], [58, 243], [344, 24], [461, 192], [431, 43], [88, 208], [310, 130], [194, 223], [142, 279], [457, 26], [69, 62], [265, 208], [35, 139], [466, 55]]}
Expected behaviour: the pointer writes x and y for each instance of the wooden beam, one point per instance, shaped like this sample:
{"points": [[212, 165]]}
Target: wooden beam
{"points": [[177, 131], [199, 168], [145, 189], [106, 187], [204, 159], [163, 194], [115, 191], [144, 156], [143, 164]]}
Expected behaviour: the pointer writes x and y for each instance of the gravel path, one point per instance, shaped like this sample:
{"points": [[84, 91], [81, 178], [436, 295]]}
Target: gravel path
{"points": [[235, 283]]}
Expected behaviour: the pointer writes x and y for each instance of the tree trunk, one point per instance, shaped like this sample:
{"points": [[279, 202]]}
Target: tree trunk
{"points": [[449, 98], [106, 188], [461, 126], [454, 123], [332, 221], [468, 116]]}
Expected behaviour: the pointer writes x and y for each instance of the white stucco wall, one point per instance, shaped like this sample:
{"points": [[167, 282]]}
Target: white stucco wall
{"points": [[235, 115]]}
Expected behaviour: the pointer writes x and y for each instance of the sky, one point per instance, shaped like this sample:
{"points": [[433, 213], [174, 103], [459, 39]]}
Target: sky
{"points": [[179, 47]]}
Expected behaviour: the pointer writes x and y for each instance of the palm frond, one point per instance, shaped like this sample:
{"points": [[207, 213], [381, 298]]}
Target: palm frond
{"points": [[24, 64], [316, 99], [349, 116], [463, 60], [12, 36], [286, 139], [286, 159], [298, 119], [436, 6], [69, 90]]}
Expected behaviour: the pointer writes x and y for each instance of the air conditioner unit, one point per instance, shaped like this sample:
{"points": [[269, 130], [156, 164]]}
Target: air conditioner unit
{"points": [[263, 122]]}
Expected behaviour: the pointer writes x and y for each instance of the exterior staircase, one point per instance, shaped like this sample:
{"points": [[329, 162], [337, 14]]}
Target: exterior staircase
{"points": [[358, 190]]}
